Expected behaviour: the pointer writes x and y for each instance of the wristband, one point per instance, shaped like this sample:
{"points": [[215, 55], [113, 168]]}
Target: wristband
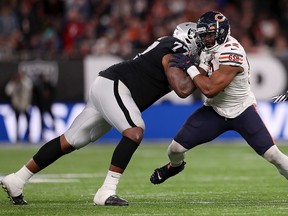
{"points": [[193, 71]]}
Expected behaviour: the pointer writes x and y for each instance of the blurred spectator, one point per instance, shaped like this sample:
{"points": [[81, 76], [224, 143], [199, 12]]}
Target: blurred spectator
{"points": [[28, 24], [9, 30], [8, 23], [44, 94], [73, 31], [77, 28], [19, 90]]}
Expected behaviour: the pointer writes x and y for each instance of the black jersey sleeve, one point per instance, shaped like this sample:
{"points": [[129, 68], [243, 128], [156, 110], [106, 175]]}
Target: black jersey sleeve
{"points": [[166, 45], [144, 75], [174, 45]]}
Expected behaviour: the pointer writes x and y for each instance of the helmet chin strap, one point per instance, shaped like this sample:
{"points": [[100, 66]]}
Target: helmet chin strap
{"points": [[216, 45], [213, 48]]}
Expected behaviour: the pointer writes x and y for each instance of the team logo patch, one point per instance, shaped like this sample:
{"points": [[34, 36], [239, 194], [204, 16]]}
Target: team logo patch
{"points": [[231, 57], [220, 17]]}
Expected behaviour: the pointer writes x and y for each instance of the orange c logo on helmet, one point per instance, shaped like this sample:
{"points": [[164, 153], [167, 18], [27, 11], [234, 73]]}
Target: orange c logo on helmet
{"points": [[220, 17]]}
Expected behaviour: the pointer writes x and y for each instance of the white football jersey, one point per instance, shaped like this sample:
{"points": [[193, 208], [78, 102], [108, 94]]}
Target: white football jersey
{"points": [[237, 96]]}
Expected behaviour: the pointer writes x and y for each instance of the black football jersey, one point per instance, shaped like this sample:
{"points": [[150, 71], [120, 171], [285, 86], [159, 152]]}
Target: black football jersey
{"points": [[144, 75]]}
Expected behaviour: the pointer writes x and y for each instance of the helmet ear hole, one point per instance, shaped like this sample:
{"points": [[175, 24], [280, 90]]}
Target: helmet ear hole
{"points": [[186, 32]]}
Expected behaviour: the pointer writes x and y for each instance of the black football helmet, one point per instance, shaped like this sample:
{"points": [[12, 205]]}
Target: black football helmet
{"points": [[214, 21]]}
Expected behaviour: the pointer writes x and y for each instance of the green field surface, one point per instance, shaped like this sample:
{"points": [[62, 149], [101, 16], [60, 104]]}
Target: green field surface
{"points": [[219, 179]]}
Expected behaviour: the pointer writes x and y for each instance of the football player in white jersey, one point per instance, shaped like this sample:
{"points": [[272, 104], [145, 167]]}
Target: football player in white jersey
{"points": [[116, 99], [223, 77]]}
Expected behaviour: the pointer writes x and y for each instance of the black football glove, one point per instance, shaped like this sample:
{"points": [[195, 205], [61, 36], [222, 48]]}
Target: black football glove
{"points": [[182, 61], [280, 98]]}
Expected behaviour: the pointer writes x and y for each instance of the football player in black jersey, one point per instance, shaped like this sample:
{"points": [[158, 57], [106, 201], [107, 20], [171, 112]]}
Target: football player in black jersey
{"points": [[116, 99]]}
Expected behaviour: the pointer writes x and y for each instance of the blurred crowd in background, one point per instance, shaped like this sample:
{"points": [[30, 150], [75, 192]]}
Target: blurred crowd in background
{"points": [[72, 29]]}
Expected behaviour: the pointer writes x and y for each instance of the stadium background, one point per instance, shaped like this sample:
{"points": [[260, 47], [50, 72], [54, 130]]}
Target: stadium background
{"points": [[72, 40]]}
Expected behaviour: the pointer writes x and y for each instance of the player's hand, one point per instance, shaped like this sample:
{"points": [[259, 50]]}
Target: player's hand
{"points": [[205, 62], [280, 98], [182, 61]]}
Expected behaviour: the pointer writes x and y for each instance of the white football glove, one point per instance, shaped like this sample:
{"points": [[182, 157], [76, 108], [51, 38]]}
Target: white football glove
{"points": [[280, 98], [205, 62]]}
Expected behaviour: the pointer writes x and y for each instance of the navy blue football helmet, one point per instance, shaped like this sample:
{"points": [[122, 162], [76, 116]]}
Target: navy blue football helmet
{"points": [[214, 22]]}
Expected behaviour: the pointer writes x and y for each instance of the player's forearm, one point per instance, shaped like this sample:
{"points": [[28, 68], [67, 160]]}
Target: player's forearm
{"points": [[185, 88], [203, 82]]}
